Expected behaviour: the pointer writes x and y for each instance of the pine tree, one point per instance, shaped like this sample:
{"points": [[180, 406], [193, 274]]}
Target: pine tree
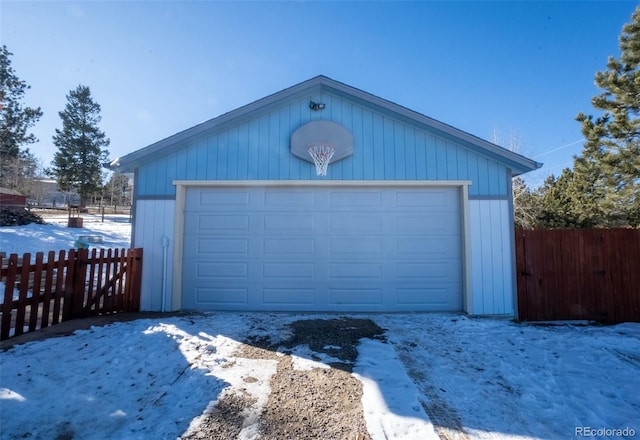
{"points": [[81, 145], [608, 169], [569, 201], [15, 122]]}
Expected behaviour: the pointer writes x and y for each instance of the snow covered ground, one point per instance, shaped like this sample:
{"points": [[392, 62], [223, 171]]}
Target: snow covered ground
{"points": [[115, 232], [153, 378]]}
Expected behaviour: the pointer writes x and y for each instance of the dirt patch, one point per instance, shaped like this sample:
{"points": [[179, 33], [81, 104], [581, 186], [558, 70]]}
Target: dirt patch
{"points": [[338, 338], [316, 403], [224, 420], [321, 403]]}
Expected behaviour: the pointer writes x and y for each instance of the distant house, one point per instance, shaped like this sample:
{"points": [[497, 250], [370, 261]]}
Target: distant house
{"points": [[412, 214], [10, 198], [48, 194]]}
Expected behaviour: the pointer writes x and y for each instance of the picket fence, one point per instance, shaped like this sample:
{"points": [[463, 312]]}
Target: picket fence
{"points": [[74, 284]]}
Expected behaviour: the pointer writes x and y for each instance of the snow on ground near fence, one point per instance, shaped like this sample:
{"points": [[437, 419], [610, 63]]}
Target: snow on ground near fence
{"points": [[115, 232], [153, 378]]}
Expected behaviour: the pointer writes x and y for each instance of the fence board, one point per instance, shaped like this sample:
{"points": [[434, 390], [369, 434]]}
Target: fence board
{"points": [[22, 294], [58, 296], [36, 289], [586, 274], [91, 287], [74, 285], [48, 284]]}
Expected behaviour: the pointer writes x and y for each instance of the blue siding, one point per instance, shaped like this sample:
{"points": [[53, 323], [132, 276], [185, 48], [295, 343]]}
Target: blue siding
{"points": [[386, 148]]}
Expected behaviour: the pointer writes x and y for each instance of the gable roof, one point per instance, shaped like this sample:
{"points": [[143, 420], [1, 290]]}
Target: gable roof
{"points": [[519, 164], [10, 192]]}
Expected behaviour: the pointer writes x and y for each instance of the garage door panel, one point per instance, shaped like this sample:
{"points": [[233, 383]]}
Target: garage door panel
{"points": [[290, 223], [341, 223], [213, 223], [358, 247], [288, 296], [417, 223], [355, 296], [281, 247], [220, 296], [202, 247], [354, 199], [288, 270], [212, 197], [437, 298], [221, 270], [428, 271], [429, 247], [282, 199], [323, 249], [355, 270]]}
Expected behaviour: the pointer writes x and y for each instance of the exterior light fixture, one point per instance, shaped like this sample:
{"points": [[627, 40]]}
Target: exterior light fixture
{"points": [[316, 106]]}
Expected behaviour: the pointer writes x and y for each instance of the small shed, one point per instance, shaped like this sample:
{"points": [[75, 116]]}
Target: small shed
{"points": [[323, 197], [12, 199]]}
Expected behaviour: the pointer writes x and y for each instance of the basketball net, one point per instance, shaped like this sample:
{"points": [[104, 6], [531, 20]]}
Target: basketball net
{"points": [[321, 155]]}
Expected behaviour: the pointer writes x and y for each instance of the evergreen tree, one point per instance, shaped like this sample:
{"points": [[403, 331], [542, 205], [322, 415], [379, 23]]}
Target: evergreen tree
{"points": [[559, 204], [608, 169], [81, 145], [15, 121]]}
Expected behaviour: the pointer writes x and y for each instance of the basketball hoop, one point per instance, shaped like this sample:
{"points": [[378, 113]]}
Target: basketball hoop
{"points": [[321, 155]]}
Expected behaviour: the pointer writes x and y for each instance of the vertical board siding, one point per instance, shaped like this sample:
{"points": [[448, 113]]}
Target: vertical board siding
{"points": [[420, 155], [154, 219], [385, 149], [491, 268]]}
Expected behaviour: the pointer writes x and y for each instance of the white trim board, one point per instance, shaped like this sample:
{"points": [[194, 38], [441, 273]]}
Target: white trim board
{"points": [[311, 183]]}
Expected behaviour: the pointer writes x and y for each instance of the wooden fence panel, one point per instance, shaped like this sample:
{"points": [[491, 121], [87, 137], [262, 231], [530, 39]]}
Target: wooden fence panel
{"points": [[78, 285], [585, 274]]}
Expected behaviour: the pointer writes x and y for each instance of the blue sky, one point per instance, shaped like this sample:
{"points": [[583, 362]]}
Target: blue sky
{"points": [[159, 67]]}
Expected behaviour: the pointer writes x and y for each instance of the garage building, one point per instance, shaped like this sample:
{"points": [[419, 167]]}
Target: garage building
{"points": [[322, 197]]}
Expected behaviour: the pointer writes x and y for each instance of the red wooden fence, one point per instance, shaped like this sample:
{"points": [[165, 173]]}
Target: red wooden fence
{"points": [[74, 285], [584, 274]]}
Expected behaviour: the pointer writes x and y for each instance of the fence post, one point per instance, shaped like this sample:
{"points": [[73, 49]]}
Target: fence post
{"points": [[79, 282], [67, 306], [521, 273], [135, 272], [22, 294], [5, 327]]}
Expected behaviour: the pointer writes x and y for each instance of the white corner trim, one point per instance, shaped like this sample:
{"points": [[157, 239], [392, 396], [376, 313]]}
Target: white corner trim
{"points": [[178, 242], [467, 279]]}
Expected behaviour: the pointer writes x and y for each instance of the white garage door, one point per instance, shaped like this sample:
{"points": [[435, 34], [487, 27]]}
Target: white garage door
{"points": [[322, 249]]}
